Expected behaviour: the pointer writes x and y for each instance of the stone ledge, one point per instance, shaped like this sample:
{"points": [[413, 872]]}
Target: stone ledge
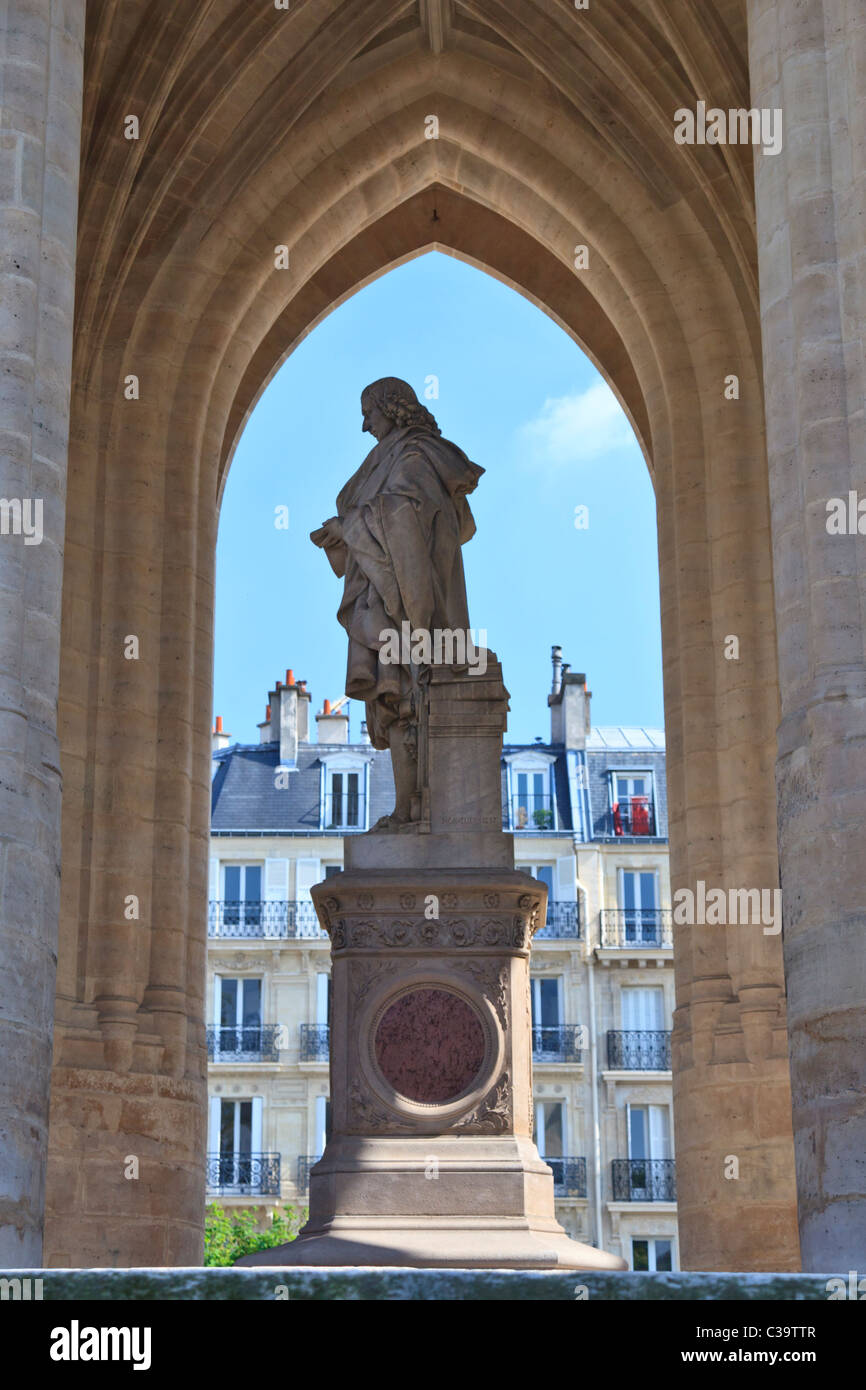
{"points": [[387, 1285]]}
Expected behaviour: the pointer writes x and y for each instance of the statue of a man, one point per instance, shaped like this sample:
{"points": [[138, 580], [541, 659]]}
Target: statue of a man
{"points": [[397, 536]]}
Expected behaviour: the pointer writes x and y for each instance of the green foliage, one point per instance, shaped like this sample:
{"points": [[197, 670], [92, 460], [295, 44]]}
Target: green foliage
{"points": [[227, 1236]]}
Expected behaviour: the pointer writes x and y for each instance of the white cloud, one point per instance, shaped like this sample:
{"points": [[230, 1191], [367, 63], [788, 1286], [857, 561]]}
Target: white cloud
{"points": [[572, 429]]}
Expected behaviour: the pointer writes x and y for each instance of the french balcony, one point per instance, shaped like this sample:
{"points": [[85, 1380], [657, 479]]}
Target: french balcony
{"points": [[644, 1180], [263, 920], [243, 1174], [248, 1044], [633, 815], [315, 1043], [559, 1043], [638, 1050], [305, 1163], [532, 813], [624, 928], [569, 1176], [561, 923]]}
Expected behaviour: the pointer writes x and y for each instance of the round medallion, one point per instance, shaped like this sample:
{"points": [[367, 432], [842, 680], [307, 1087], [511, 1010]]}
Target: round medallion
{"points": [[430, 1045]]}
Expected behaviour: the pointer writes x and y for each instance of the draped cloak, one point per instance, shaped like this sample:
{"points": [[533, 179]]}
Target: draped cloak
{"points": [[404, 519]]}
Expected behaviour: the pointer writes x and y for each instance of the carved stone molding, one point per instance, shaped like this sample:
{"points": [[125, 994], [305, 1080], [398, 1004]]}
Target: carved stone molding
{"points": [[493, 1115], [365, 1113]]}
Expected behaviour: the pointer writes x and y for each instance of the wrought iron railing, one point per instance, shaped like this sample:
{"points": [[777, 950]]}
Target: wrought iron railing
{"points": [[638, 1049], [644, 1179], [569, 1176], [532, 812], [263, 919], [246, 1044], [558, 1043], [624, 927], [305, 1163], [562, 920], [243, 1174], [315, 1042]]}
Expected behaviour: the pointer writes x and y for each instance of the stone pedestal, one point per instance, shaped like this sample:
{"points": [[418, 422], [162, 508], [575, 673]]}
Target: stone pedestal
{"points": [[431, 1160]]}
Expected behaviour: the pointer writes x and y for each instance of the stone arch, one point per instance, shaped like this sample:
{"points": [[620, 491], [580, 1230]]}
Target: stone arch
{"points": [[537, 153]]}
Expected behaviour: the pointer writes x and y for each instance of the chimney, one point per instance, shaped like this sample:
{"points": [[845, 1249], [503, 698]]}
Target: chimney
{"points": [[265, 726], [333, 724], [365, 735], [219, 739], [570, 720], [286, 702], [304, 698]]}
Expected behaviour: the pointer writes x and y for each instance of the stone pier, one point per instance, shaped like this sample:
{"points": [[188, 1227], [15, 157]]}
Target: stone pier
{"points": [[808, 60], [40, 94]]}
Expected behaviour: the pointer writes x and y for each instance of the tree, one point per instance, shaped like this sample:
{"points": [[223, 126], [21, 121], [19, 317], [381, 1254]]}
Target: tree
{"points": [[227, 1236]]}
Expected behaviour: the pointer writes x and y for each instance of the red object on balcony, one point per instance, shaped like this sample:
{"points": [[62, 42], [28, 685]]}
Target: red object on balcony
{"points": [[640, 817], [617, 819]]}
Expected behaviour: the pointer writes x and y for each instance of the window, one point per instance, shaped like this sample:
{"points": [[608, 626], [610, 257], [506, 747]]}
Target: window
{"points": [[531, 805], [544, 874], [322, 1125], [323, 998], [238, 1014], [649, 1134], [560, 880], [550, 1136], [638, 899], [650, 1171], [242, 895], [632, 803], [236, 1139], [643, 1008], [549, 1128], [652, 1253], [345, 801], [344, 791], [546, 995]]}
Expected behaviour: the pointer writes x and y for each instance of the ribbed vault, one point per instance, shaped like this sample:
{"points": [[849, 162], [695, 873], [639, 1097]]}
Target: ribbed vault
{"points": [[308, 127]]}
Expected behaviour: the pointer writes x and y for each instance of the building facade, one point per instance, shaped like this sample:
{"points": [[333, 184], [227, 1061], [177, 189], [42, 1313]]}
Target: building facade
{"points": [[588, 811]]}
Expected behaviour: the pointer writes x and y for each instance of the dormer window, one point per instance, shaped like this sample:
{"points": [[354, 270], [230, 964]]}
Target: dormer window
{"points": [[632, 803], [531, 803], [345, 791]]}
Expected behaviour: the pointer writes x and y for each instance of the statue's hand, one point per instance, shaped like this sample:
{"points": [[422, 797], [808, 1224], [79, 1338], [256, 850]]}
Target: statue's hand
{"points": [[330, 538], [329, 533]]}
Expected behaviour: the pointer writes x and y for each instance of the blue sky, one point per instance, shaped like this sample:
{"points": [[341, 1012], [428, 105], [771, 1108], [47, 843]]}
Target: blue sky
{"points": [[523, 402]]}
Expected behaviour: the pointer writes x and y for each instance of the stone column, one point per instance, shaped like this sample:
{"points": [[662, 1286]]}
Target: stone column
{"points": [[40, 90], [807, 58]]}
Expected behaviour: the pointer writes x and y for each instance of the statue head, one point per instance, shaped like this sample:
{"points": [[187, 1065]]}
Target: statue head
{"points": [[390, 403]]}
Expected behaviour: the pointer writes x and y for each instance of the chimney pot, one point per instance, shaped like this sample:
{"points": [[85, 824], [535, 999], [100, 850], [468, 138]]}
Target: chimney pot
{"points": [[219, 724], [556, 659], [327, 709], [290, 677], [267, 711]]}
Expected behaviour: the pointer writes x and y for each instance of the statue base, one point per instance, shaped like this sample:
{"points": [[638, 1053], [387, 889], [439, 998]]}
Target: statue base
{"points": [[431, 1160]]}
